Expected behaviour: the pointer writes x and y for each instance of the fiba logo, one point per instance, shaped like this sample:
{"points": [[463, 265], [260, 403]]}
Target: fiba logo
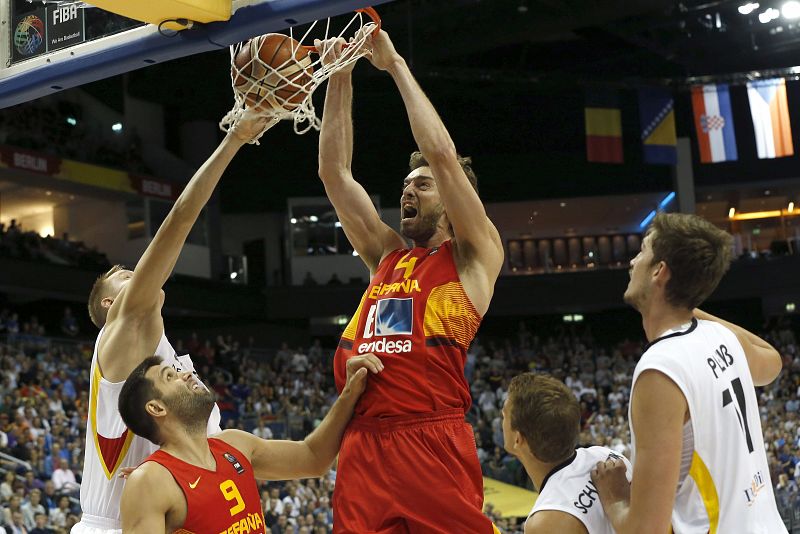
{"points": [[29, 35]]}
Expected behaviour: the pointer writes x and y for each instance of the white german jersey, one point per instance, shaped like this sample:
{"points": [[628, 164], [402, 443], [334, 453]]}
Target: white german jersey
{"points": [[728, 487], [569, 488], [109, 443]]}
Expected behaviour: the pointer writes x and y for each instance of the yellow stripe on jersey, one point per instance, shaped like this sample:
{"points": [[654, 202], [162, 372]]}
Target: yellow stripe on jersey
{"points": [[352, 326], [495, 530], [449, 313], [93, 418], [708, 491]]}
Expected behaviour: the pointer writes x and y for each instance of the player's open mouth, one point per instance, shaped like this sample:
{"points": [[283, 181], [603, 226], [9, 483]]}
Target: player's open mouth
{"points": [[409, 212]]}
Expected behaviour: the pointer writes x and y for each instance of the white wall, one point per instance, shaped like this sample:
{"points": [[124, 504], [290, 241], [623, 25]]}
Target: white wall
{"points": [[41, 223], [98, 223]]}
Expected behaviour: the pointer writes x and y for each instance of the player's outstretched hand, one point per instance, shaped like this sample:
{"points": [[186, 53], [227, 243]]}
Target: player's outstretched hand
{"points": [[611, 483], [252, 124], [357, 369], [383, 53]]}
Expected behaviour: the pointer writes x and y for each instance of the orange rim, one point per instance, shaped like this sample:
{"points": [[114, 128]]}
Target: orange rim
{"points": [[370, 12]]}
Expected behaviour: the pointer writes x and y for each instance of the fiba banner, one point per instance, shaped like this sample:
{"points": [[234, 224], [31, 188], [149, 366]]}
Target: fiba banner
{"points": [[770, 111], [657, 119], [64, 26], [28, 37], [713, 122], [603, 126]]}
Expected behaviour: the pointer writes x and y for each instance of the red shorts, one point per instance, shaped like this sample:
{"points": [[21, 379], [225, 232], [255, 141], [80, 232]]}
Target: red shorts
{"points": [[409, 474]]}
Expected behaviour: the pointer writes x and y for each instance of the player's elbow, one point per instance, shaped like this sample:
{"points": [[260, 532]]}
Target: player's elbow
{"points": [[773, 365], [331, 173], [440, 151]]}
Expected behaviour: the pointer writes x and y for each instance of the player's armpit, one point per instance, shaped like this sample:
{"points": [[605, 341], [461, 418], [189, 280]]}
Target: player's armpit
{"points": [[658, 411], [549, 521], [147, 499]]}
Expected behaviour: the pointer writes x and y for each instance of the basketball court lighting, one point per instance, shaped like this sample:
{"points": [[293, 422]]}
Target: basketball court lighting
{"points": [[748, 8], [313, 218], [337, 224], [355, 254], [768, 15], [791, 207], [116, 127], [731, 213], [667, 199], [791, 10], [790, 307], [234, 275], [646, 220], [293, 220], [72, 121]]}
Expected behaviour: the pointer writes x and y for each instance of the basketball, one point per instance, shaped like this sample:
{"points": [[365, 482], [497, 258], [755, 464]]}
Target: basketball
{"points": [[272, 71]]}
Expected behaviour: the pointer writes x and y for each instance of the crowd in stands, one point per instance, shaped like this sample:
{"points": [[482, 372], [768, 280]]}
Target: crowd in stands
{"points": [[18, 243], [285, 394], [57, 128]]}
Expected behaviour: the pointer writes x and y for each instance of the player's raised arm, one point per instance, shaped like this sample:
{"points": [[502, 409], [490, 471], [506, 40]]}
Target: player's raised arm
{"points": [[147, 499], [368, 234], [763, 360], [474, 232], [158, 260], [312, 457]]}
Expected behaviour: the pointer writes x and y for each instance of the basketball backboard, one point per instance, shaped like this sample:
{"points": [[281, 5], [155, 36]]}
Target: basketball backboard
{"points": [[45, 48]]}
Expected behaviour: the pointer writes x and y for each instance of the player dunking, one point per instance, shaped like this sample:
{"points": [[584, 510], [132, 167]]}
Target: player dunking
{"points": [[698, 452], [126, 306], [408, 461], [194, 483]]}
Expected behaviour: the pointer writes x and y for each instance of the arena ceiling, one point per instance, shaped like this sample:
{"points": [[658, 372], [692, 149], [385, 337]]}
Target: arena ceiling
{"points": [[508, 77]]}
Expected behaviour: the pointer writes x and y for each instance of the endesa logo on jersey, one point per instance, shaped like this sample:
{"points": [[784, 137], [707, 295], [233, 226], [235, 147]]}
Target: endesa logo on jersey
{"points": [[388, 317]]}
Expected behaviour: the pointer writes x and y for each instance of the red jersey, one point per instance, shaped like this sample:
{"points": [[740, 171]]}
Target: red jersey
{"points": [[225, 501], [416, 317]]}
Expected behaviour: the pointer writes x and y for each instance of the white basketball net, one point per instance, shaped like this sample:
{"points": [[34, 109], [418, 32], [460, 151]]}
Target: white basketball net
{"points": [[264, 83]]}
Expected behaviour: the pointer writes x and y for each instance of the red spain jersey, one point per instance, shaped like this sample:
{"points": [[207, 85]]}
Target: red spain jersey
{"points": [[416, 317], [225, 501]]}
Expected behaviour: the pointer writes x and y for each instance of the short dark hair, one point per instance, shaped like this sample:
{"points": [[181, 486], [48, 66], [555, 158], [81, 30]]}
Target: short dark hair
{"points": [[547, 414], [137, 391], [97, 313], [697, 253], [417, 160]]}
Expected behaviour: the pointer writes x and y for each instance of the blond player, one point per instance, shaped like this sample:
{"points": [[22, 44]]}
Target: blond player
{"points": [[699, 464], [126, 306]]}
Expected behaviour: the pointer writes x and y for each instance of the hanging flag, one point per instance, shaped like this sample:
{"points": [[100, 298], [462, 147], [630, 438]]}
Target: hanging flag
{"points": [[770, 111], [657, 118], [603, 126], [713, 121]]}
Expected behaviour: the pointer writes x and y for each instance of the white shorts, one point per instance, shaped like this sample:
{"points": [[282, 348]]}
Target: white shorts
{"points": [[91, 524]]}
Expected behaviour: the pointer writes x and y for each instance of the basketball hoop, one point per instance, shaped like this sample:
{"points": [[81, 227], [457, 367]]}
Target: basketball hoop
{"points": [[284, 90]]}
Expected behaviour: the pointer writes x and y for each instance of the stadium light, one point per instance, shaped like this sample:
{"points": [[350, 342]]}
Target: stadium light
{"points": [[646, 220], [293, 220], [667, 199], [72, 121], [116, 127], [313, 218], [768, 15], [748, 8], [731, 213], [234, 274], [791, 10], [791, 207]]}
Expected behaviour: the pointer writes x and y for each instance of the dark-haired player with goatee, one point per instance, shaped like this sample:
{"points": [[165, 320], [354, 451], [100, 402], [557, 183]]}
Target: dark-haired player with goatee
{"points": [[199, 484], [408, 461]]}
